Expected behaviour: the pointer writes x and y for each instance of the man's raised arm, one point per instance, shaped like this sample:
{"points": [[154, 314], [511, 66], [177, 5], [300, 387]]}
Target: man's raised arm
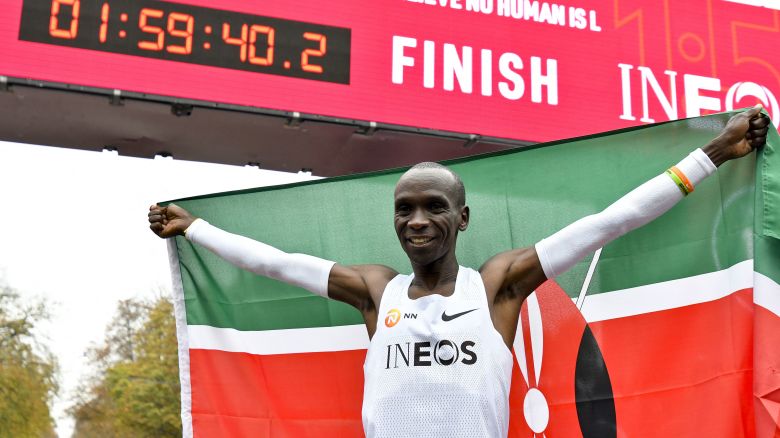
{"points": [[554, 255], [351, 284]]}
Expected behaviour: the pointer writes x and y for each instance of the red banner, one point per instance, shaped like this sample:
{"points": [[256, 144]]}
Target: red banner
{"points": [[505, 68]]}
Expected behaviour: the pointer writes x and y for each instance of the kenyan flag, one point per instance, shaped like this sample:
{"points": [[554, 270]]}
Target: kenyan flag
{"points": [[672, 330]]}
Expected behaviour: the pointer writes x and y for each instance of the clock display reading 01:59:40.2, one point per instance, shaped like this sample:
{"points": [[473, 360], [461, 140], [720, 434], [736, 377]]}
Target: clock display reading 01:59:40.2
{"points": [[192, 34]]}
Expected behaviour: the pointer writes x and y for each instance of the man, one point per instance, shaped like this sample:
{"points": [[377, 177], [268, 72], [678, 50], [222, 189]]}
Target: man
{"points": [[447, 372]]}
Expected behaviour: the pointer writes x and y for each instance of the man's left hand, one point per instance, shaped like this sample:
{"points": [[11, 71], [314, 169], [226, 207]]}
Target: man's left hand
{"points": [[743, 133]]}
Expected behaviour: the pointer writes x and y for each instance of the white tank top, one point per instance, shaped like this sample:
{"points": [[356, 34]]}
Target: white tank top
{"points": [[436, 366]]}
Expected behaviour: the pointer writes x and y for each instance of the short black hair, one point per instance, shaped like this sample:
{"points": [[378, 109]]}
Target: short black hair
{"points": [[460, 189]]}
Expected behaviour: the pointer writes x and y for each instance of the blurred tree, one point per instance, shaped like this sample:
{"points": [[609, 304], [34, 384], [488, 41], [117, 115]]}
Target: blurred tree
{"points": [[27, 370], [134, 390]]}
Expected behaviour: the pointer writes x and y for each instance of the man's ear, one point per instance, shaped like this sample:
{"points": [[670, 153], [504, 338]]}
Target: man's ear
{"points": [[464, 218]]}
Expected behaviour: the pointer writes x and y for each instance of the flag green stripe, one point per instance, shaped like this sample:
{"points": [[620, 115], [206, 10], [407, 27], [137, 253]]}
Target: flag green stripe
{"points": [[767, 206], [516, 199], [769, 179], [767, 251]]}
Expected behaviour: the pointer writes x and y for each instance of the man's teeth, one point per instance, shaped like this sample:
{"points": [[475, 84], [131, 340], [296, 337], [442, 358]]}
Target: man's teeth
{"points": [[420, 240]]}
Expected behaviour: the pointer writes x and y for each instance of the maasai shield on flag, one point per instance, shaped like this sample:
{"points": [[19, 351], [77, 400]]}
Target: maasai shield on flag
{"points": [[671, 330]]}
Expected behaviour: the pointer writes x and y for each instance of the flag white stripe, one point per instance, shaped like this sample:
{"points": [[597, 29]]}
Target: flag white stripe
{"points": [[180, 314], [537, 334], [767, 293], [667, 295], [617, 304], [588, 277], [287, 341], [519, 346]]}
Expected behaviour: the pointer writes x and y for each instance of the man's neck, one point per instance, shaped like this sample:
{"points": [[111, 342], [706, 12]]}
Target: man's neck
{"points": [[435, 276]]}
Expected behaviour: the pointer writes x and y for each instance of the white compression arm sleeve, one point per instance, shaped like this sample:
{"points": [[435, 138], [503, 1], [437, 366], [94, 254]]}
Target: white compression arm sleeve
{"points": [[300, 270], [559, 252]]}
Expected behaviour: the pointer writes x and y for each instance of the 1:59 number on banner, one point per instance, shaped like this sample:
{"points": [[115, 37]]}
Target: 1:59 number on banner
{"points": [[192, 34]]}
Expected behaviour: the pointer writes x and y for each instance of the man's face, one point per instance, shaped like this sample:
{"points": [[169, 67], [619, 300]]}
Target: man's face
{"points": [[427, 216]]}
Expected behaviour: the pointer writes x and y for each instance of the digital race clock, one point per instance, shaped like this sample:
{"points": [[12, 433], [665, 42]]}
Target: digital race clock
{"points": [[192, 34]]}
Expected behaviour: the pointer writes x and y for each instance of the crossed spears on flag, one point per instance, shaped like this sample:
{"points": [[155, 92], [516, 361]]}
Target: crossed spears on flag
{"points": [[529, 349]]}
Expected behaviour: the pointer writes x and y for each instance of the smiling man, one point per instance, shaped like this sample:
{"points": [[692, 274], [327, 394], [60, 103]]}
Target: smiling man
{"points": [[439, 362]]}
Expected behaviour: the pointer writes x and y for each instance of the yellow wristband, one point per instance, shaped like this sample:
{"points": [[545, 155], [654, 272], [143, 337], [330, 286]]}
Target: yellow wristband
{"points": [[683, 178], [678, 181]]}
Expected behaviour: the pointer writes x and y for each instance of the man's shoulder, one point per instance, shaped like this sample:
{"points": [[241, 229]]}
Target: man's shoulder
{"points": [[376, 272]]}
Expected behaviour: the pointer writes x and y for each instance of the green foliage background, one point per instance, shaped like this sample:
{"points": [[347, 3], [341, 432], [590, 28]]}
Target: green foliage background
{"points": [[134, 389], [27, 370]]}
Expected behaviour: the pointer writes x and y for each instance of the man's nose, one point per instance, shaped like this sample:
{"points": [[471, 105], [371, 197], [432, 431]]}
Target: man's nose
{"points": [[418, 220]]}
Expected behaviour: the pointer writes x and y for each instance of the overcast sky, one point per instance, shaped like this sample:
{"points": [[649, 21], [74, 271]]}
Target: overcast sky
{"points": [[73, 230]]}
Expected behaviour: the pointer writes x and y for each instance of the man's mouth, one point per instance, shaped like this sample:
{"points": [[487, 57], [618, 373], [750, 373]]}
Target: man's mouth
{"points": [[419, 240]]}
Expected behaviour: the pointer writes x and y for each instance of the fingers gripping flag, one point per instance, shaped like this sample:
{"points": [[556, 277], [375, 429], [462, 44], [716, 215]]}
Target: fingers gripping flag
{"points": [[671, 330]]}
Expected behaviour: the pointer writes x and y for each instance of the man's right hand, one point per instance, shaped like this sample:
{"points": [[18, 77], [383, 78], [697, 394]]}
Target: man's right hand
{"points": [[169, 221]]}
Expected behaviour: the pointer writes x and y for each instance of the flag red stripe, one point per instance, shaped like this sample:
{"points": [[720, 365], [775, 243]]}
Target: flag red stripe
{"points": [[767, 376], [293, 395], [684, 371]]}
